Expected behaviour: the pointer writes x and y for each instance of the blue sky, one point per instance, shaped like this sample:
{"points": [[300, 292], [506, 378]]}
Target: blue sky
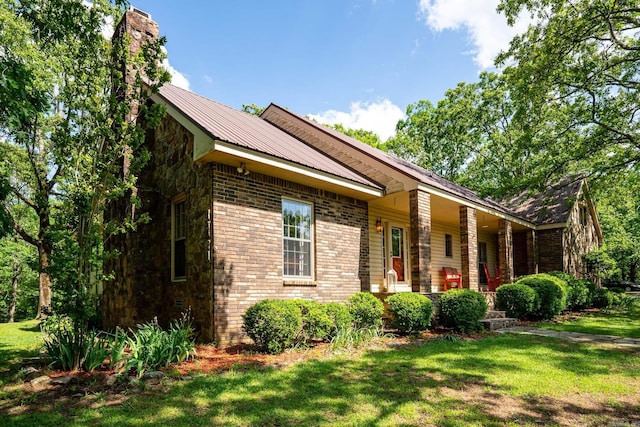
{"points": [[357, 62]]}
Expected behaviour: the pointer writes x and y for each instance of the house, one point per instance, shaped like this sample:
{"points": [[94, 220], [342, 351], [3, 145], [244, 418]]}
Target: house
{"points": [[245, 208]]}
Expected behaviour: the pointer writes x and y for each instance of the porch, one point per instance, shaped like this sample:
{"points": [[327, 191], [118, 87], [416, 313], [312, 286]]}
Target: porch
{"points": [[414, 234]]}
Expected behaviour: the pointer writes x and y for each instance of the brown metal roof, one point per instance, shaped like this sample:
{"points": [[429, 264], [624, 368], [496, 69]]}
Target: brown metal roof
{"points": [[227, 124], [409, 169]]}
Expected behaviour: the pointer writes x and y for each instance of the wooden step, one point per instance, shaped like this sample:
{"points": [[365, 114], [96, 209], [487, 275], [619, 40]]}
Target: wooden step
{"points": [[498, 323]]}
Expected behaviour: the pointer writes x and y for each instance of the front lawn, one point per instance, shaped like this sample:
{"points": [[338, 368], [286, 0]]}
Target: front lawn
{"points": [[495, 380], [18, 340], [622, 323]]}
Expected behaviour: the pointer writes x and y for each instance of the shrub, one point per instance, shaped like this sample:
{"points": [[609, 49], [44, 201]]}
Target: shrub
{"points": [[462, 309], [366, 310], [151, 347], [551, 294], [347, 338], [411, 312], [602, 298], [577, 290], [340, 316], [517, 300], [316, 323], [273, 324]]}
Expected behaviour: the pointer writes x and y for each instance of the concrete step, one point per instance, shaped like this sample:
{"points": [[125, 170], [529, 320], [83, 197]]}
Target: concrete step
{"points": [[495, 314], [498, 323]]}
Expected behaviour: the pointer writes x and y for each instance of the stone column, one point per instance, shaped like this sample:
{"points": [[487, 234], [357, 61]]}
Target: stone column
{"points": [[420, 251], [469, 247], [505, 251], [532, 252]]}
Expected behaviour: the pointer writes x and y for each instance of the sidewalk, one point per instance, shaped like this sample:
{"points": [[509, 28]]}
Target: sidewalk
{"points": [[573, 336]]}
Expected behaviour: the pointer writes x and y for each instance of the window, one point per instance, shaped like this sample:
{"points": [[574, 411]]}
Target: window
{"points": [[448, 246], [584, 215], [297, 255], [482, 259], [178, 240]]}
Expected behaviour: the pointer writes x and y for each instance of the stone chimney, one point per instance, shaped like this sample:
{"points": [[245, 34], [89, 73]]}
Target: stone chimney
{"points": [[140, 29]]}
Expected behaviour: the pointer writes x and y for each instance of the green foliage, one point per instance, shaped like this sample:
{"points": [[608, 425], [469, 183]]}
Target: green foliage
{"points": [[551, 294], [602, 298], [366, 310], [316, 323], [273, 325], [361, 135], [17, 267], [340, 316], [151, 347], [577, 290], [350, 338], [516, 299], [462, 309], [411, 311]]}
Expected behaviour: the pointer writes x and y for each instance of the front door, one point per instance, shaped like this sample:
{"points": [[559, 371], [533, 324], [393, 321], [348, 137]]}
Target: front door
{"points": [[398, 252]]}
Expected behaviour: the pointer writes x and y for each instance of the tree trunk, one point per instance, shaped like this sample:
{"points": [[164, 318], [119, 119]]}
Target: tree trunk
{"points": [[44, 305], [14, 290]]}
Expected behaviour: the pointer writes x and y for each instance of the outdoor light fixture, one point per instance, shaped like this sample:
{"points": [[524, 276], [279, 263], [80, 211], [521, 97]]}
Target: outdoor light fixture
{"points": [[379, 225], [242, 169]]}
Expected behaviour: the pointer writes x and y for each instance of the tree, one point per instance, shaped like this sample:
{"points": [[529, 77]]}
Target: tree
{"points": [[68, 129], [18, 280], [361, 135], [581, 60], [252, 109]]}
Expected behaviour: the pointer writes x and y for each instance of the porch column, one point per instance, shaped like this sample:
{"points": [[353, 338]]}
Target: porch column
{"points": [[532, 253], [469, 247], [420, 250], [505, 251]]}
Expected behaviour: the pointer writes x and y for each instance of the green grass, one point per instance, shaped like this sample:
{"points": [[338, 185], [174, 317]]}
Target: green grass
{"points": [[622, 323], [18, 340], [439, 382]]}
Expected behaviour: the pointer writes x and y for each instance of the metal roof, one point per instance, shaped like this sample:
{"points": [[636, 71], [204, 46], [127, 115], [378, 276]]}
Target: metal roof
{"points": [[246, 130]]}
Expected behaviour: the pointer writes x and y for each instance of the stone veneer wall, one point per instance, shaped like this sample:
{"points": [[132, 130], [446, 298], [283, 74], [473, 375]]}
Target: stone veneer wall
{"points": [[247, 240], [579, 239], [142, 287]]}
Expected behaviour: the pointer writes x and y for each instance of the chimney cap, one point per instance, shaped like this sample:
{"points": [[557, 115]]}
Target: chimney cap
{"points": [[140, 12]]}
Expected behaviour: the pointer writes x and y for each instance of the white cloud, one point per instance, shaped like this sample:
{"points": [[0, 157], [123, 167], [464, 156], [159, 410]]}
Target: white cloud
{"points": [[487, 29], [177, 78], [207, 78], [379, 117]]}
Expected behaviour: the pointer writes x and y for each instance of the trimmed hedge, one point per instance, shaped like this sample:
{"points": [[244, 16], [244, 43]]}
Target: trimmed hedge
{"points": [[602, 298], [316, 324], [411, 312], [551, 294], [273, 325], [577, 290], [340, 317], [366, 310], [462, 309], [516, 299]]}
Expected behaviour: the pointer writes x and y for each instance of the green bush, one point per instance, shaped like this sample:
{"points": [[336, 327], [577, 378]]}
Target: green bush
{"points": [[151, 347], [273, 325], [366, 310], [316, 323], [551, 294], [577, 290], [462, 309], [340, 316], [602, 298], [411, 311], [517, 300]]}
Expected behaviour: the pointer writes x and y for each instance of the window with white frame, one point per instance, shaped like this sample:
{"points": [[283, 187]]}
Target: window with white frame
{"points": [[297, 239], [178, 240]]}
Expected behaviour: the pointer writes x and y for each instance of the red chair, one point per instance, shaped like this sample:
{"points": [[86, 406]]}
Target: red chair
{"points": [[451, 276], [492, 281]]}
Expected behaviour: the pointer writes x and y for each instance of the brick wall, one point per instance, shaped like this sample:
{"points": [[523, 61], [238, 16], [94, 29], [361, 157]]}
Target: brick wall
{"points": [[550, 253], [247, 240], [469, 248], [420, 250]]}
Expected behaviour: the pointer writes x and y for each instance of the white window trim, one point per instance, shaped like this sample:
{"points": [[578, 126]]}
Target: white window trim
{"points": [[312, 243], [175, 201]]}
